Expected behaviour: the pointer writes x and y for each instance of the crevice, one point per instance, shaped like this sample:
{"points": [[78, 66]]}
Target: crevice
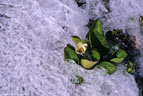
{"points": [[80, 3]]}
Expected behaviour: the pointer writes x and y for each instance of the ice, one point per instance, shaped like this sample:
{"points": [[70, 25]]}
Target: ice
{"points": [[97, 83], [33, 34]]}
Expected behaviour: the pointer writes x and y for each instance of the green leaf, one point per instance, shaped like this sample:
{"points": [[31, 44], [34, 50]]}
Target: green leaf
{"points": [[91, 55], [130, 70], [96, 26], [121, 54], [96, 38], [117, 60], [99, 42], [95, 55], [76, 40], [77, 80], [69, 53], [108, 66], [88, 64], [70, 46], [141, 20], [80, 79], [130, 67], [130, 64], [112, 51], [88, 55]]}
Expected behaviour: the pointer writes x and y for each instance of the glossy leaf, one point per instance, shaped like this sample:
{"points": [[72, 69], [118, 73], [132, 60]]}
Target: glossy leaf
{"points": [[117, 60], [108, 66], [121, 54], [98, 26], [112, 51], [95, 27], [76, 40], [96, 38], [70, 46], [99, 42], [69, 53], [87, 64], [95, 55]]}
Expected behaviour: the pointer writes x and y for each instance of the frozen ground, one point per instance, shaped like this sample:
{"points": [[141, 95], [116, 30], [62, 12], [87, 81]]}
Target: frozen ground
{"points": [[33, 34]]}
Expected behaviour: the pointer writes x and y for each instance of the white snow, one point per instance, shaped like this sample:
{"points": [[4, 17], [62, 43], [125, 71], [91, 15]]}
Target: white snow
{"points": [[32, 42]]}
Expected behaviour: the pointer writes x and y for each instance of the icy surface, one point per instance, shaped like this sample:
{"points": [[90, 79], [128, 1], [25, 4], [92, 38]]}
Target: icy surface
{"points": [[33, 34]]}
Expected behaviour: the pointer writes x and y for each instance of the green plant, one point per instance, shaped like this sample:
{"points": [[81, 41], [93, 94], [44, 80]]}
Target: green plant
{"points": [[97, 49], [130, 68], [77, 80], [141, 20]]}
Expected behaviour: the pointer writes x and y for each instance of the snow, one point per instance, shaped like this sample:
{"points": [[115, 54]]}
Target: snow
{"points": [[33, 34]]}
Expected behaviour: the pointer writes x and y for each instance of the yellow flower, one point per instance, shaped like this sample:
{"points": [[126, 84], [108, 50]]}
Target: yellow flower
{"points": [[80, 48]]}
